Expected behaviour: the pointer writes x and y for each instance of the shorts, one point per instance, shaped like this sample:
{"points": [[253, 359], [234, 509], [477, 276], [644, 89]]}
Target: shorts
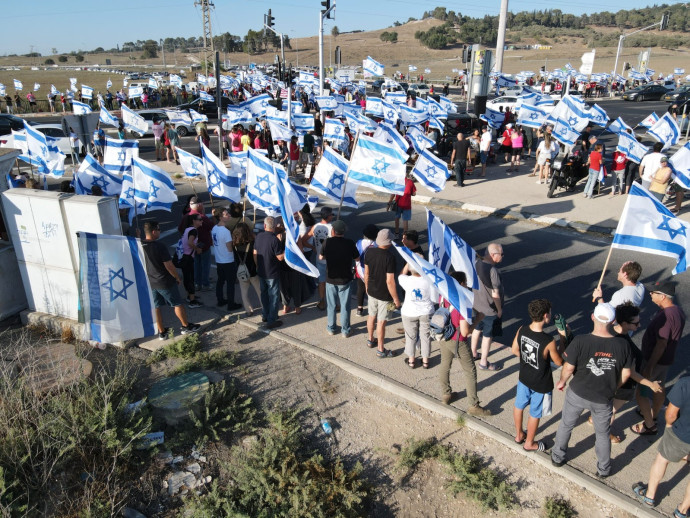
{"points": [[405, 213], [486, 326], [672, 448], [380, 308], [322, 271], [658, 374], [539, 404], [624, 394], [517, 151], [98, 150], [159, 143], [506, 149], [483, 156], [675, 187], [307, 157], [166, 297]]}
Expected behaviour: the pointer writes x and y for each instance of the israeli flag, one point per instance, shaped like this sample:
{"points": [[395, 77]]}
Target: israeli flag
{"points": [[197, 117], [86, 92], [238, 164], [436, 123], [631, 147], [413, 115], [326, 102], [80, 108], [280, 131], [303, 122], [647, 226], [665, 130], [565, 133], [680, 163], [618, 126], [3, 91], [447, 104], [73, 84], [148, 188], [124, 81], [202, 79], [108, 84], [108, 118], [54, 90], [238, 117], [531, 116], [114, 291], [333, 130], [153, 83], [330, 179], [598, 115], [276, 116], [390, 112], [447, 249], [387, 134], [205, 96], [18, 85], [219, 182], [37, 87], [427, 71], [396, 97], [257, 105], [41, 153], [374, 107], [434, 108], [91, 173], [649, 72], [261, 187], [505, 81], [493, 118], [431, 171], [460, 298], [135, 91], [132, 121], [360, 123], [191, 165], [179, 117], [420, 141], [649, 121], [412, 68], [378, 166], [679, 71], [372, 67], [118, 155], [176, 80], [571, 110]]}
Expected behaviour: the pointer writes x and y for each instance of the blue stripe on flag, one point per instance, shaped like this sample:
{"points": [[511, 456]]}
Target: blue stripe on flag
{"points": [[143, 293], [94, 286], [377, 180]]}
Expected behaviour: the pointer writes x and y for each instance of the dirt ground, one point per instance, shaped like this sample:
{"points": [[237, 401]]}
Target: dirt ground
{"points": [[370, 426]]}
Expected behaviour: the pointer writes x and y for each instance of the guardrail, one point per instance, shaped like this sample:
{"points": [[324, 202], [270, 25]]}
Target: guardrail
{"points": [[43, 106]]}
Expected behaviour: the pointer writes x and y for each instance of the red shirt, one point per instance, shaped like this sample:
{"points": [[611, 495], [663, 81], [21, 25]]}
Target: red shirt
{"points": [[294, 151], [405, 200], [595, 160], [619, 161]]}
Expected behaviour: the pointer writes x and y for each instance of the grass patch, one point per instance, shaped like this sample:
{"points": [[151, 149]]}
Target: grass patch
{"points": [[415, 451], [557, 507], [206, 361], [460, 420], [185, 348]]}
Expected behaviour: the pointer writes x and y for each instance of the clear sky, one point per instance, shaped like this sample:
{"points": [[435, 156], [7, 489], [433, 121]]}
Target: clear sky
{"points": [[87, 24]]}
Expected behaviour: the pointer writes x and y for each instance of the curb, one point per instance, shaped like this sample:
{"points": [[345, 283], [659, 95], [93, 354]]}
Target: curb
{"points": [[592, 485]]}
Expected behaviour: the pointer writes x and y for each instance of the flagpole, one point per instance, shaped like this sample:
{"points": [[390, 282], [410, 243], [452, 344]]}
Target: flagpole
{"points": [[603, 272], [347, 175], [192, 185]]}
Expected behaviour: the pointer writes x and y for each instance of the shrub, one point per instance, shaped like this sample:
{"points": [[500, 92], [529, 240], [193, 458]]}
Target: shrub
{"points": [[79, 58], [557, 507], [390, 37], [62, 59], [186, 347], [49, 61]]}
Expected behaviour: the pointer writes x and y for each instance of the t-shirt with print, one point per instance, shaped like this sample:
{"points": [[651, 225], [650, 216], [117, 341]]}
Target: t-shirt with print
{"points": [[339, 252], [380, 261], [419, 296], [322, 231], [221, 236], [535, 371], [680, 397], [598, 365], [668, 324]]}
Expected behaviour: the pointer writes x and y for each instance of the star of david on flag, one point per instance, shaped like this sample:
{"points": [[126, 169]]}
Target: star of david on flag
{"points": [[220, 183], [326, 102], [358, 122], [631, 147], [334, 130], [665, 130], [646, 225], [192, 165], [420, 141], [386, 133], [86, 92], [118, 155], [179, 117], [80, 108], [413, 115], [618, 126], [531, 116], [378, 166], [329, 179], [372, 67], [256, 105], [374, 107], [114, 291], [42, 152], [108, 118], [133, 121], [91, 173], [565, 133], [431, 171], [447, 249], [147, 188]]}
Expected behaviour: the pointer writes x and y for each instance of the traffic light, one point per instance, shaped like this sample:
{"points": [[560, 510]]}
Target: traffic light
{"points": [[464, 54], [626, 66], [469, 53], [270, 20], [326, 6], [664, 21]]}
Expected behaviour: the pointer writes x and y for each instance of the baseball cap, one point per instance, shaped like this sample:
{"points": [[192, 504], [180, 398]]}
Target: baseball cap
{"points": [[509, 126], [665, 287], [663, 158], [339, 227], [384, 237], [604, 313]]}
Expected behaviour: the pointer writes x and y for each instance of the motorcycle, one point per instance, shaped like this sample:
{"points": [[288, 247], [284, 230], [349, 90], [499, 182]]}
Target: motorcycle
{"points": [[567, 169]]}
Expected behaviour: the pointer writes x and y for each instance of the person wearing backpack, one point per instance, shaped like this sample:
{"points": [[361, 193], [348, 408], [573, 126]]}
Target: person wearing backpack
{"points": [[243, 248], [457, 344]]}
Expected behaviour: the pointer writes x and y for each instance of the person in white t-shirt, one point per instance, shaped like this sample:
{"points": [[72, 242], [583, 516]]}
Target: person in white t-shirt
{"points": [[416, 313], [650, 164], [484, 148], [226, 267], [322, 231], [632, 290]]}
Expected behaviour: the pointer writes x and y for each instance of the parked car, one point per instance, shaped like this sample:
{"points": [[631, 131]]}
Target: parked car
{"points": [[645, 93], [149, 115], [49, 130], [504, 102], [10, 122], [681, 94], [209, 108], [376, 85], [419, 88]]}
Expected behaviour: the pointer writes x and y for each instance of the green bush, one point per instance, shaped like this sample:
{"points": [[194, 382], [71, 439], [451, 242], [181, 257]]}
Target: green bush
{"points": [[391, 37], [184, 348], [557, 507]]}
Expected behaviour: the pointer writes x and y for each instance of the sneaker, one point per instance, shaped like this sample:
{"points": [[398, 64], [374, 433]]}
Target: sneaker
{"points": [[191, 328], [478, 411], [347, 335], [194, 304], [557, 464], [330, 332], [164, 334], [274, 324]]}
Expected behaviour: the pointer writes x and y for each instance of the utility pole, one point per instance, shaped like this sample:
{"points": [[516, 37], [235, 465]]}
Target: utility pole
{"points": [[501, 40], [325, 13], [208, 51], [163, 51]]}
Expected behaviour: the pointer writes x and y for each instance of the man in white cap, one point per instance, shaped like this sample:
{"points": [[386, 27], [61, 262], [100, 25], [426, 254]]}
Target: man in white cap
{"points": [[601, 362]]}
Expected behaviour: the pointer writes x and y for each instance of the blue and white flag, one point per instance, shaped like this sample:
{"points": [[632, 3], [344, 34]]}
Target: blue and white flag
{"points": [[261, 189], [3, 91], [330, 179], [460, 298], [449, 105], [372, 67], [73, 84], [135, 91], [396, 97], [238, 117], [598, 115], [412, 68], [378, 166], [390, 112], [436, 123], [108, 118], [649, 72], [192, 165], [431, 171], [118, 155], [649, 121], [132, 121], [42, 152], [333, 130], [374, 107], [124, 81], [280, 131], [303, 122], [646, 225], [238, 163], [179, 117], [679, 71], [197, 117], [618, 126], [436, 109], [202, 79], [108, 84], [447, 249], [420, 141], [631, 147], [80, 108], [153, 83], [411, 115], [219, 182], [571, 110], [360, 123], [531, 116], [37, 87], [493, 118], [665, 130], [503, 82], [91, 173], [427, 71], [387, 134], [257, 105], [114, 292], [565, 133], [148, 188], [680, 164], [205, 96], [18, 85], [86, 92], [326, 102], [176, 80]]}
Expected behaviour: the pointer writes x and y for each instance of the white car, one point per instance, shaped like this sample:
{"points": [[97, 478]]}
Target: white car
{"points": [[504, 102], [418, 88], [49, 130], [149, 115]]}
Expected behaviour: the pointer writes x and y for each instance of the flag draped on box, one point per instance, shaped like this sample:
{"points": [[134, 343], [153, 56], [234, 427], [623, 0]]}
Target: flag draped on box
{"points": [[330, 179], [646, 225], [387, 134], [447, 249], [91, 173], [147, 188], [618, 126], [108, 118], [631, 147], [118, 155], [80, 108], [378, 166], [191, 165], [372, 67], [460, 298], [420, 141], [531, 116], [220, 183], [334, 130], [665, 130], [115, 295], [649, 120], [431, 171], [680, 163], [132, 121]]}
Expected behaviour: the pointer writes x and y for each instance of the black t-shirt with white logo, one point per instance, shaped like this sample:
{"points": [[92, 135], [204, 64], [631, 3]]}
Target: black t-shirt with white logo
{"points": [[535, 371]]}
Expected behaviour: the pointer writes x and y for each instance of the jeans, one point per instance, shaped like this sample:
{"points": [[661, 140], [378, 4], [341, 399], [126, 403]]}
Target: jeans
{"points": [[573, 406], [462, 349], [270, 298], [460, 166], [591, 180], [202, 268], [338, 293], [227, 274]]}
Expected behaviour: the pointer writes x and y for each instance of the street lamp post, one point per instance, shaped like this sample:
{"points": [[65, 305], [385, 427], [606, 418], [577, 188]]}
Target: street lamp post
{"points": [[163, 51]]}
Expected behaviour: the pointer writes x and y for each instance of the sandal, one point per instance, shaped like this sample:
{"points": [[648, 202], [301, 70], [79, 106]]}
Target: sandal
{"points": [[642, 429], [540, 447], [640, 491], [678, 514], [298, 311], [524, 436], [425, 365], [370, 344], [411, 362], [489, 367], [615, 439], [386, 353]]}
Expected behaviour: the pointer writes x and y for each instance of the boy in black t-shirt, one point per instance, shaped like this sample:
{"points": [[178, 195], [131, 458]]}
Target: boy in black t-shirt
{"points": [[536, 350]]}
